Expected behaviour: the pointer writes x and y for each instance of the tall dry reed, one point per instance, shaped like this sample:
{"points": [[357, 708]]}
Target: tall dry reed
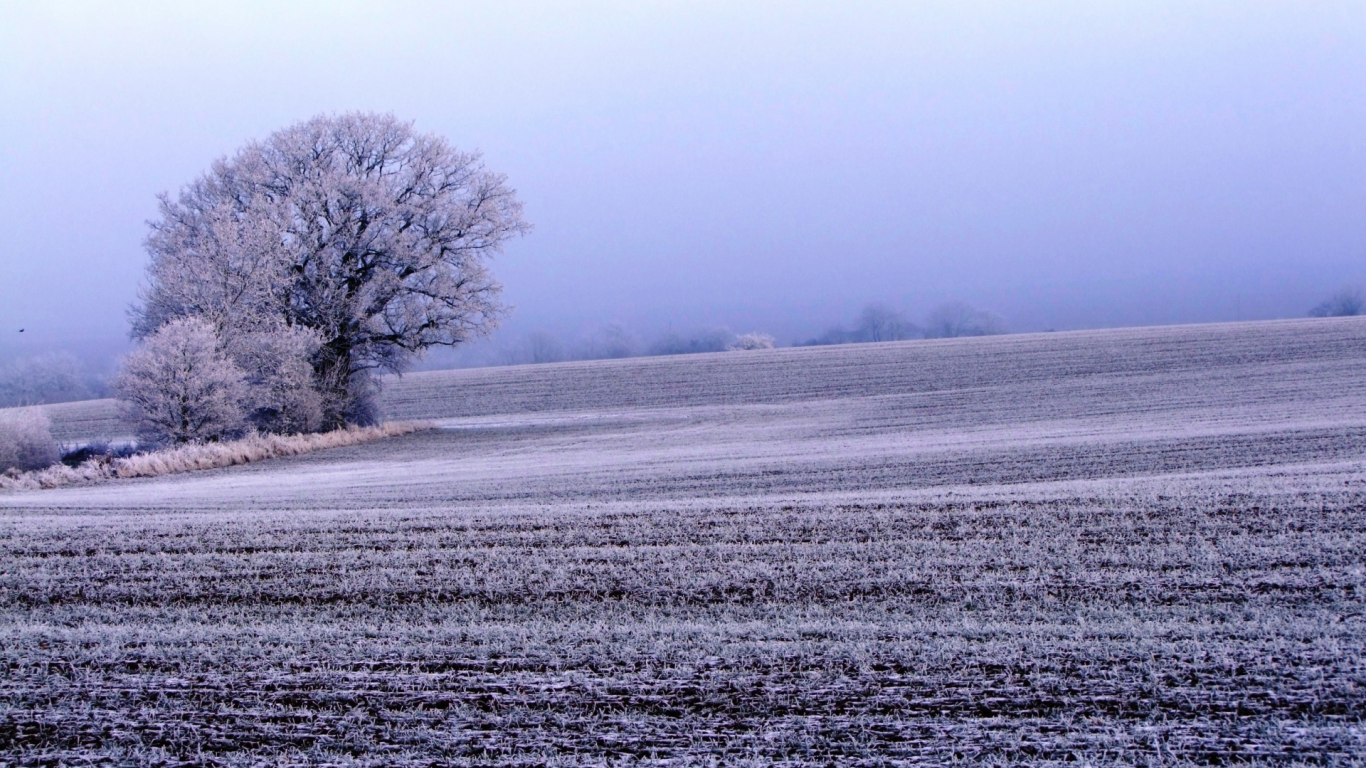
{"points": [[187, 458]]}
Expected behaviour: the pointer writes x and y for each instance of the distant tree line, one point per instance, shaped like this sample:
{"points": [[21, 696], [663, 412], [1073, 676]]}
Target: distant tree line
{"points": [[55, 377], [612, 342], [878, 322]]}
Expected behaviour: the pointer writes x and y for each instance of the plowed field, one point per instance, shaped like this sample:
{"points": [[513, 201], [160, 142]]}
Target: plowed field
{"points": [[1140, 546]]}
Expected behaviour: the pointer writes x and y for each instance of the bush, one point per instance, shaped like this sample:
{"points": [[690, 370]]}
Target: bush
{"points": [[280, 393], [180, 387], [97, 450], [753, 340], [835, 335], [26, 440]]}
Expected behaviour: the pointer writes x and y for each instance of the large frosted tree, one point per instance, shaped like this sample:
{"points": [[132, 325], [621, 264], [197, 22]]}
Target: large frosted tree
{"points": [[354, 230]]}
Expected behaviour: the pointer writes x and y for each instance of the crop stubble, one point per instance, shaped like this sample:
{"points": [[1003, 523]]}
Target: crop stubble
{"points": [[1129, 546]]}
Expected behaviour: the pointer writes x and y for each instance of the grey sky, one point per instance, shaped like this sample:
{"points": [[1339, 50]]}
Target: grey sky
{"points": [[763, 166]]}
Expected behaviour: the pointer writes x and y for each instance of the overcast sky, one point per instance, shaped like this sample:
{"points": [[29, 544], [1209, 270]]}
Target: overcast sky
{"points": [[767, 166]]}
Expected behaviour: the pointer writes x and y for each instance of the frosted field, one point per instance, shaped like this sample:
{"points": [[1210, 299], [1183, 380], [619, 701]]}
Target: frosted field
{"points": [[1139, 546]]}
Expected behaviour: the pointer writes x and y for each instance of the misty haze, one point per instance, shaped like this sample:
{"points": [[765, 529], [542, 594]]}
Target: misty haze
{"points": [[682, 384]]}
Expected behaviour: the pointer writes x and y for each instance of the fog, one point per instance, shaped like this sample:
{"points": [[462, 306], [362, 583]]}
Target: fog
{"points": [[753, 166]]}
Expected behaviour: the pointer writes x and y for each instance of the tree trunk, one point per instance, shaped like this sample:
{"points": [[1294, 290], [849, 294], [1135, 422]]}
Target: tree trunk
{"points": [[334, 377]]}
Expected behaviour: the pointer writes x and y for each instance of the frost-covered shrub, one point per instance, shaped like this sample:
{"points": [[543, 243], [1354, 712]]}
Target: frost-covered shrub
{"points": [[180, 387], [194, 381], [754, 340], [280, 392], [26, 440]]}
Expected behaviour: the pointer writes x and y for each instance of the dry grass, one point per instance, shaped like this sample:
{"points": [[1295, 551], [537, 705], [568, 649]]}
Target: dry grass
{"points": [[188, 458]]}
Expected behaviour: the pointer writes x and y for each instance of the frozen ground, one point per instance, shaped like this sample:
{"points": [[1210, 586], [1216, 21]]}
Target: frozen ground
{"points": [[1138, 546]]}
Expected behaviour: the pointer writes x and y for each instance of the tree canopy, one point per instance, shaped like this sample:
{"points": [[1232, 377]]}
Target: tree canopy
{"points": [[354, 229]]}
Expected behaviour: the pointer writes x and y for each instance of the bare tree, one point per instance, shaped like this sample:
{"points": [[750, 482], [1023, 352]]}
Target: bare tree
{"points": [[543, 347], [1344, 303], [355, 227], [180, 387], [956, 318], [878, 322], [610, 342]]}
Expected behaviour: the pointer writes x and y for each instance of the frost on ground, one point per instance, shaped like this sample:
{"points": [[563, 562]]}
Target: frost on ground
{"points": [[1116, 547]]}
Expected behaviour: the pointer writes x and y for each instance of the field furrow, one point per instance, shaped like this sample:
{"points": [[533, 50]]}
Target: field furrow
{"points": [[1131, 547]]}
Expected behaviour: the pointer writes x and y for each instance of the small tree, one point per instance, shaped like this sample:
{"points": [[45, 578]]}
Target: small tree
{"points": [[180, 387], [280, 394], [26, 440], [1344, 303], [753, 340]]}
